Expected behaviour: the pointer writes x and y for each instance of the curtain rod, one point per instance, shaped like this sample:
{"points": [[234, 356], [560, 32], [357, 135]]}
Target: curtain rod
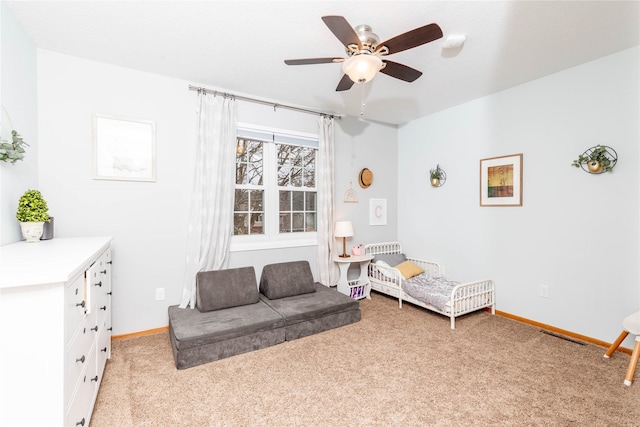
{"points": [[260, 101]]}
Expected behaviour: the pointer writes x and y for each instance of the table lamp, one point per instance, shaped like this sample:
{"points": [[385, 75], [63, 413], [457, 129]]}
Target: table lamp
{"points": [[343, 229]]}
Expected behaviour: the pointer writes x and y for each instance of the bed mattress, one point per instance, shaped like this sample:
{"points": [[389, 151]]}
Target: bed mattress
{"points": [[430, 290]]}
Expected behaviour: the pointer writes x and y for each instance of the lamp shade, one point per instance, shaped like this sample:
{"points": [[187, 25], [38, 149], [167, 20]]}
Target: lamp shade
{"points": [[361, 68], [343, 229]]}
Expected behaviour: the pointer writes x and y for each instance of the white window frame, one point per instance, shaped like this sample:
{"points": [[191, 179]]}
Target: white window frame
{"points": [[272, 238]]}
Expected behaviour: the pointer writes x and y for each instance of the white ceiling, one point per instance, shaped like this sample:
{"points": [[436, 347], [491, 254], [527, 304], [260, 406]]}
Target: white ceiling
{"points": [[240, 46]]}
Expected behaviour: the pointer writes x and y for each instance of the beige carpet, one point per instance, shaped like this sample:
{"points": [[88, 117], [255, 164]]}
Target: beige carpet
{"points": [[396, 367]]}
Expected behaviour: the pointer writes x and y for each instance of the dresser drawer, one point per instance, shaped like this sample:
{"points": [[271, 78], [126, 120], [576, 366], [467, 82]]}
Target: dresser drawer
{"points": [[75, 307], [76, 357], [80, 404], [103, 349]]}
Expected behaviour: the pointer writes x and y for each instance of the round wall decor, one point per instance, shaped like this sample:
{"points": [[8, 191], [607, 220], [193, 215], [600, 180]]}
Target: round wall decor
{"points": [[365, 178]]}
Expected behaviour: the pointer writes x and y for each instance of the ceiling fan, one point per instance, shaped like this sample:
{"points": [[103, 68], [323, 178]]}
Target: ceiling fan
{"points": [[364, 52]]}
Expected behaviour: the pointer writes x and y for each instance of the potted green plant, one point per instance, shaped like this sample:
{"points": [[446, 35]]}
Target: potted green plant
{"points": [[13, 151], [32, 214], [436, 175], [597, 160]]}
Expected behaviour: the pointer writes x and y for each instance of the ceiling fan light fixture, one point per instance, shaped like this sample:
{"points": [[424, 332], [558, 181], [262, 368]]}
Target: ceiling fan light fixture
{"points": [[362, 68]]}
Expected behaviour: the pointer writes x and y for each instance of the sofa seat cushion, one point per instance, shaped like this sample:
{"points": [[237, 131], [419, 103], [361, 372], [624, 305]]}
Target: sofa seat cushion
{"points": [[323, 302], [220, 289], [193, 328], [286, 279]]}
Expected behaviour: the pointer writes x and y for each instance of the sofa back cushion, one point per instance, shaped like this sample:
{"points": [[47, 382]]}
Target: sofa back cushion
{"points": [[220, 289], [286, 279]]}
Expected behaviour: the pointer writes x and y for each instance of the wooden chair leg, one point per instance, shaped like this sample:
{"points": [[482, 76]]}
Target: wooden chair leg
{"points": [[628, 379], [616, 344]]}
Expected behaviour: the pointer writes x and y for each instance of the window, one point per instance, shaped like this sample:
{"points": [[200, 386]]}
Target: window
{"points": [[275, 196], [248, 204], [296, 188]]}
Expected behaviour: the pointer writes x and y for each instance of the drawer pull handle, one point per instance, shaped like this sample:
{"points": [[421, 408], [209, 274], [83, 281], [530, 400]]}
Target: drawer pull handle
{"points": [[81, 359], [103, 308], [104, 271], [95, 378], [104, 349], [80, 304], [80, 423], [109, 293], [95, 328], [99, 284], [109, 329]]}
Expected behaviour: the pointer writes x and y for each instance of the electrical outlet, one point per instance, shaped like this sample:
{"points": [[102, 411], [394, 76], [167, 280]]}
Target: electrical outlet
{"points": [[159, 294], [544, 291]]}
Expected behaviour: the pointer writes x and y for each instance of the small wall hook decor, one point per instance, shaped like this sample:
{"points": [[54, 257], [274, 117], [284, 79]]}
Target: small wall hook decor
{"points": [[437, 176], [596, 160]]}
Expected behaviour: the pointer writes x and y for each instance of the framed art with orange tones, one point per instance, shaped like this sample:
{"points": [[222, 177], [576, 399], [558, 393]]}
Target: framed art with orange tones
{"points": [[501, 181]]}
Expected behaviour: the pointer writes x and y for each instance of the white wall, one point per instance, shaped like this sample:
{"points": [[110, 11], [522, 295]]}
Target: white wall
{"points": [[362, 144], [577, 233], [148, 220], [18, 95]]}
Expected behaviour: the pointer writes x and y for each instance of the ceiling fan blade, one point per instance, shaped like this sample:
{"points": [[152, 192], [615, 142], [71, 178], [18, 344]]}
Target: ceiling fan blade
{"points": [[400, 71], [342, 30], [308, 61], [345, 83], [412, 38]]}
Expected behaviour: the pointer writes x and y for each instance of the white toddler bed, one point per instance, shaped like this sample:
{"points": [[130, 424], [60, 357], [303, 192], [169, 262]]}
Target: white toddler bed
{"points": [[429, 289]]}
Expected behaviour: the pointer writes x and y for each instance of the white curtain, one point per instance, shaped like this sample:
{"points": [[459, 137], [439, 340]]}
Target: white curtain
{"points": [[211, 209], [327, 269]]}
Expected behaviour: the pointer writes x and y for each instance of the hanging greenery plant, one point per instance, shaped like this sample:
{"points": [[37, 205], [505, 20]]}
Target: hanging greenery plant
{"points": [[597, 159], [13, 151]]}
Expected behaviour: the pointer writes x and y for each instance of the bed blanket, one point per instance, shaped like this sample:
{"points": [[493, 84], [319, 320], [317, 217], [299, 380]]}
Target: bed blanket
{"points": [[431, 290]]}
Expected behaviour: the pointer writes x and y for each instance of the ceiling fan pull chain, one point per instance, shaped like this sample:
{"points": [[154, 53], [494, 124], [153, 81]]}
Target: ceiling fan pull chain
{"points": [[362, 104]]}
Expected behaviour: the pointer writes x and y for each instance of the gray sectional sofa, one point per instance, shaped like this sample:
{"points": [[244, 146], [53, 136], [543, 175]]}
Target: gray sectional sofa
{"points": [[233, 315]]}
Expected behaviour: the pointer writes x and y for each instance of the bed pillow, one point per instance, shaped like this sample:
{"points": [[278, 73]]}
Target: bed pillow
{"points": [[391, 259], [409, 269]]}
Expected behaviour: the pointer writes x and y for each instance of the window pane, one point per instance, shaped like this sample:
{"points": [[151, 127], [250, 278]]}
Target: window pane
{"points": [[253, 174], [310, 224], [241, 150], [310, 201], [309, 178], [296, 176], [285, 223], [285, 154], [240, 224], [297, 220], [249, 165], [297, 156], [241, 200], [285, 201], [298, 200], [254, 151], [283, 175], [256, 200], [256, 223]]}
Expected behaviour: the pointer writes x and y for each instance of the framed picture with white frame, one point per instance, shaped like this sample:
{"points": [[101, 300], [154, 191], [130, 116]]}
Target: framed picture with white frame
{"points": [[123, 149], [377, 211]]}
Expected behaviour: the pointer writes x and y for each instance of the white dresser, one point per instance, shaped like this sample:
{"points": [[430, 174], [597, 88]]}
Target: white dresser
{"points": [[55, 329]]}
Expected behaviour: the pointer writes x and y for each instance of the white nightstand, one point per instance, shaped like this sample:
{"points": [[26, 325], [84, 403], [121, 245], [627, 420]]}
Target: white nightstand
{"points": [[357, 288]]}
